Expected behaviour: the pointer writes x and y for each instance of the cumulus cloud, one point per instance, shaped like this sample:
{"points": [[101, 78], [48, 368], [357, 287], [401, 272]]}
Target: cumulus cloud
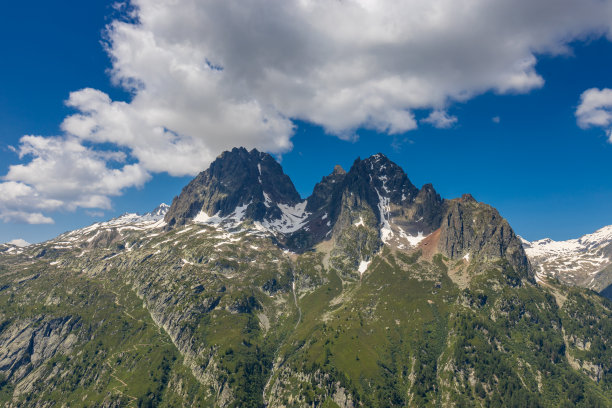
{"points": [[19, 242], [440, 119], [62, 174], [595, 110], [217, 74], [206, 76], [25, 217]]}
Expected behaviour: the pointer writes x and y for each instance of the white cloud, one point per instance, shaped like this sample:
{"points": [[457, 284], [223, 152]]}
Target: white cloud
{"points": [[62, 174], [220, 74], [440, 119], [19, 242], [24, 217], [595, 110], [206, 76]]}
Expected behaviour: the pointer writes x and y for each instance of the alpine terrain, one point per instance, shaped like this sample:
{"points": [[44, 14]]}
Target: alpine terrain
{"points": [[586, 261], [371, 292]]}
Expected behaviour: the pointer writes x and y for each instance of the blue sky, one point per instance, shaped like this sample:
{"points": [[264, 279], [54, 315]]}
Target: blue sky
{"points": [[515, 144]]}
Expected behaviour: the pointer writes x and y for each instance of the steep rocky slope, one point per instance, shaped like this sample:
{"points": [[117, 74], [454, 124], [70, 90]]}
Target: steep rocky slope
{"points": [[383, 295], [375, 194], [238, 183]]}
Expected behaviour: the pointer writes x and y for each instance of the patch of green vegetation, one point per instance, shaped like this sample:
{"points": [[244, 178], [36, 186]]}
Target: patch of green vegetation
{"points": [[117, 354], [201, 317]]}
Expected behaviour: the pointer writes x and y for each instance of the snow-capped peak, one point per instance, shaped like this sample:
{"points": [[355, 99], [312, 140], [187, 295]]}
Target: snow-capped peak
{"points": [[159, 211], [127, 221], [574, 261]]}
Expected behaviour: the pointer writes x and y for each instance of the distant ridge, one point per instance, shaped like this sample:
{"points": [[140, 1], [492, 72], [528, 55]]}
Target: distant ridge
{"points": [[585, 261]]}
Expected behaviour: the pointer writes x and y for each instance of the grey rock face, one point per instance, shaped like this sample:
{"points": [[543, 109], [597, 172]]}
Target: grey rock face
{"points": [[27, 344], [322, 205], [471, 229], [324, 194], [235, 178], [427, 209]]}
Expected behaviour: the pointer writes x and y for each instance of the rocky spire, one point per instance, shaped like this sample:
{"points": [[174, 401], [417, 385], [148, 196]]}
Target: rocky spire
{"points": [[236, 178]]}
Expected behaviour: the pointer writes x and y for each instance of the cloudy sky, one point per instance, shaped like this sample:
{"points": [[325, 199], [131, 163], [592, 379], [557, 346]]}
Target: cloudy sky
{"points": [[108, 107]]}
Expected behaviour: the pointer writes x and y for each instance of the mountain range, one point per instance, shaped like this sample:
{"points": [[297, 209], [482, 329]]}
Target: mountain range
{"points": [[371, 292], [586, 261]]}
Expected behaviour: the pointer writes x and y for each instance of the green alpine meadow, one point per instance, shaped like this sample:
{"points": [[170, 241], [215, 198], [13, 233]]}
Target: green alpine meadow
{"points": [[369, 293]]}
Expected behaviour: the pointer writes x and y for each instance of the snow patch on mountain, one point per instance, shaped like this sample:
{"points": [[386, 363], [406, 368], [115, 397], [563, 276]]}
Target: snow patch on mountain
{"points": [[358, 223], [575, 261], [267, 200], [292, 218], [384, 209], [413, 240], [363, 266], [203, 218]]}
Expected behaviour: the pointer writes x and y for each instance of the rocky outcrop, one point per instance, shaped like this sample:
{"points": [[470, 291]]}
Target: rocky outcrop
{"points": [[427, 210], [323, 204], [27, 344], [475, 230]]}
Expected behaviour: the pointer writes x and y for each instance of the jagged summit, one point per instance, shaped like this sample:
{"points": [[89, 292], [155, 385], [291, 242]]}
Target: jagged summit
{"points": [[246, 184], [160, 210], [338, 169], [374, 195], [156, 215]]}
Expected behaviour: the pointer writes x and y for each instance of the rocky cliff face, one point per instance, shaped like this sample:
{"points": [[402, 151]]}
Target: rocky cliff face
{"points": [[473, 230], [26, 344], [252, 181]]}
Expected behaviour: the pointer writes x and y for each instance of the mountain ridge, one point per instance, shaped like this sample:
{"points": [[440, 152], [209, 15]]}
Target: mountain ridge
{"points": [[584, 261], [374, 186]]}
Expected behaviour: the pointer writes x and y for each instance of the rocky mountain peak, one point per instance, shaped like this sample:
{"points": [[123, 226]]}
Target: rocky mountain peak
{"points": [[378, 179], [371, 205], [251, 183], [160, 210], [250, 174], [468, 198], [386, 178], [338, 170]]}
